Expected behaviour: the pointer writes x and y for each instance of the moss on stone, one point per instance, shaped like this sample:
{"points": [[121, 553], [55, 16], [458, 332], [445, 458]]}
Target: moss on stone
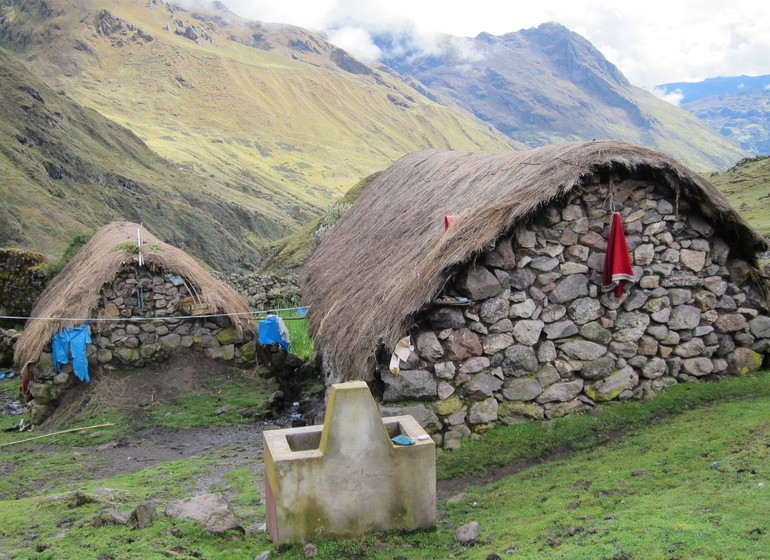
{"points": [[449, 406]]}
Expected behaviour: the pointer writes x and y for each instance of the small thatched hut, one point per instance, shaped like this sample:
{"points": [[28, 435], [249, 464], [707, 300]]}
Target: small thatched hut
{"points": [[504, 309], [143, 299]]}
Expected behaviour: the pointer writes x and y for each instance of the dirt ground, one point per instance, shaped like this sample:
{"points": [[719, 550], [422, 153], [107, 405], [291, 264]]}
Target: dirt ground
{"points": [[236, 446]]}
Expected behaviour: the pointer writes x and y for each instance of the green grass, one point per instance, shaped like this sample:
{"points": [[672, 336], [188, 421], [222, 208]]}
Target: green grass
{"points": [[301, 344], [508, 444], [239, 401], [654, 493], [745, 186]]}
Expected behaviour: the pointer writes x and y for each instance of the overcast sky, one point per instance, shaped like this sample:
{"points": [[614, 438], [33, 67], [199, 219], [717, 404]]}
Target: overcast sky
{"points": [[651, 41]]}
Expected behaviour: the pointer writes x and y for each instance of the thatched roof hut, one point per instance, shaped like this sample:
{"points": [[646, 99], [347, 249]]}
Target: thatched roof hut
{"points": [[75, 292], [389, 256]]}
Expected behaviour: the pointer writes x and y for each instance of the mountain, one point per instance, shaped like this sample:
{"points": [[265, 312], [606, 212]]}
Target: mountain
{"points": [[712, 87], [746, 187], [743, 118], [548, 84], [228, 133], [65, 168], [737, 107], [270, 120]]}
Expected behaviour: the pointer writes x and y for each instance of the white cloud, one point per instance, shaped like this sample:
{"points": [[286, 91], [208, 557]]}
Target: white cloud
{"points": [[357, 41], [652, 42], [674, 97], [465, 49]]}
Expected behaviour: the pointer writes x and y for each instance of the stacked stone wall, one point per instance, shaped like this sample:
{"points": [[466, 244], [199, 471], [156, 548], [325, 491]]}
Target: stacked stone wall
{"points": [[537, 338], [264, 291], [22, 279], [8, 338], [164, 304]]}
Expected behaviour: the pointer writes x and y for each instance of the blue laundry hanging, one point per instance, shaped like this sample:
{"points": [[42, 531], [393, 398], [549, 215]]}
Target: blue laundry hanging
{"points": [[273, 329], [72, 341]]}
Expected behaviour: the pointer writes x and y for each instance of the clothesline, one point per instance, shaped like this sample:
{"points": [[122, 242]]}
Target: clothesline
{"points": [[174, 317]]}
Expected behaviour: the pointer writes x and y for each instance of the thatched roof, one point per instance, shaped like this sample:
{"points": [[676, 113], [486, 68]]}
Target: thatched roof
{"points": [[74, 293], [389, 256]]}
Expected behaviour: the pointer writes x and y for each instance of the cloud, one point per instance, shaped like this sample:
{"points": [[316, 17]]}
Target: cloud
{"points": [[357, 41], [652, 42], [674, 97], [465, 49]]}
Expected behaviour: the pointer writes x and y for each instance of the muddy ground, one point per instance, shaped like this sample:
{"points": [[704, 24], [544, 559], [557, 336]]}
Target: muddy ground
{"points": [[236, 446]]}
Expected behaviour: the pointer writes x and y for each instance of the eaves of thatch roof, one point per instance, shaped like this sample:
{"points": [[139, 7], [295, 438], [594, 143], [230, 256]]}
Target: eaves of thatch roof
{"points": [[75, 292], [389, 256]]}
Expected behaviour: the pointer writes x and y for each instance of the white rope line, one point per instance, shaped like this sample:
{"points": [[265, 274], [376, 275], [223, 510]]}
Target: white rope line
{"points": [[173, 317]]}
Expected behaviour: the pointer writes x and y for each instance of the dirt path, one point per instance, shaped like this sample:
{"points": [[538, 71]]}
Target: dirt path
{"points": [[236, 446]]}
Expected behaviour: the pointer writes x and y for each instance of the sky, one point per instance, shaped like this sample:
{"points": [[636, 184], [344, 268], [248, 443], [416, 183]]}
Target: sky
{"points": [[652, 42]]}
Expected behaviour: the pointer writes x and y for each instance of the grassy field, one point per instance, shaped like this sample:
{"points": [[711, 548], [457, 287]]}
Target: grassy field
{"points": [[746, 187], [685, 476]]}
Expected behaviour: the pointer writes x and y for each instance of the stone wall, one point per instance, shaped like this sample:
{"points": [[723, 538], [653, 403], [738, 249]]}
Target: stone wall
{"points": [[161, 300], [264, 291], [22, 280], [8, 338], [538, 339]]}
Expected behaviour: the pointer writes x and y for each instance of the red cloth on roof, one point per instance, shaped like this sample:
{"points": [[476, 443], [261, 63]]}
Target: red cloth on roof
{"points": [[617, 260]]}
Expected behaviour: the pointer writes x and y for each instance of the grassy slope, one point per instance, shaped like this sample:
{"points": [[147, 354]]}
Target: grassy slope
{"points": [[65, 168], [747, 187], [291, 252], [278, 130], [656, 493]]}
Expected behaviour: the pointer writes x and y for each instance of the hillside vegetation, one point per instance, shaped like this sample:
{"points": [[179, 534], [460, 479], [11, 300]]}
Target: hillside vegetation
{"points": [[276, 121], [243, 133], [65, 168], [747, 186]]}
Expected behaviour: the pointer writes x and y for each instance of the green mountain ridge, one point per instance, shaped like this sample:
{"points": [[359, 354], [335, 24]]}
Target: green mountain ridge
{"points": [[747, 186], [65, 168], [242, 133], [273, 119]]}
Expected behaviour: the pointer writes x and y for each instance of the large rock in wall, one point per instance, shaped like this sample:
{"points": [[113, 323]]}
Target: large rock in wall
{"points": [[539, 339]]}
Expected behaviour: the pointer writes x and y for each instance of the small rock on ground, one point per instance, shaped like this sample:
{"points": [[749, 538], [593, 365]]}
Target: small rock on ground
{"points": [[468, 533]]}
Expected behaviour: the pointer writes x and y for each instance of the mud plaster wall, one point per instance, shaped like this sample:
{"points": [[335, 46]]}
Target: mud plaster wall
{"points": [[539, 339]]}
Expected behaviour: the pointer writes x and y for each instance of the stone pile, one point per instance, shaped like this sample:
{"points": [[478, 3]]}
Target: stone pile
{"points": [[264, 291], [539, 339]]}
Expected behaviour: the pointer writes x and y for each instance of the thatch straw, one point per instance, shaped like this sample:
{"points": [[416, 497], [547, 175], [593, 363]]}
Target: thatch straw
{"points": [[75, 292], [389, 256]]}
